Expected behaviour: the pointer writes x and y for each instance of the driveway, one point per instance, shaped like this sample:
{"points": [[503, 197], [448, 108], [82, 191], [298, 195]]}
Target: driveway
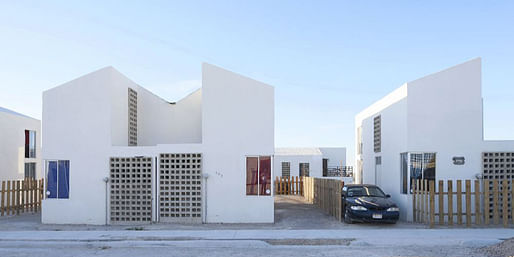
{"points": [[291, 212]]}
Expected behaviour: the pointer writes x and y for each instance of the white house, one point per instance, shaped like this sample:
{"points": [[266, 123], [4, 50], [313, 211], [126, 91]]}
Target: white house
{"points": [[430, 128], [308, 161], [115, 153], [20, 146]]}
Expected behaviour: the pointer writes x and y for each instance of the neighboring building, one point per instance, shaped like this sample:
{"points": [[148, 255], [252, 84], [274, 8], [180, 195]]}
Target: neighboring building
{"points": [[430, 128], [310, 161], [205, 158], [20, 146]]}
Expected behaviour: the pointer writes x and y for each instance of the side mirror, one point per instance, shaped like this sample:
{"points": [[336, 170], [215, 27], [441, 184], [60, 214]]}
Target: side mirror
{"points": [[388, 196]]}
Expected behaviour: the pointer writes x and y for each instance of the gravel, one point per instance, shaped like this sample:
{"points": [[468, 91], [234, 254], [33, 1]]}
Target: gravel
{"points": [[503, 249]]}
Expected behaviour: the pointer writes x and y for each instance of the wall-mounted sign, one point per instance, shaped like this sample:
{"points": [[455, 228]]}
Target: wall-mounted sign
{"points": [[458, 160]]}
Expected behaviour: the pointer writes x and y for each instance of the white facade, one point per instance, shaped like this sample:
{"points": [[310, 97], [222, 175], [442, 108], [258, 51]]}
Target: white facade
{"points": [[438, 114], [336, 157], [13, 158], [86, 122]]}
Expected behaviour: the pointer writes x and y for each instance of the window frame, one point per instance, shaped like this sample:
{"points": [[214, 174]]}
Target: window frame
{"points": [[258, 175], [30, 170], [47, 163], [282, 168], [308, 169], [30, 137], [409, 171]]}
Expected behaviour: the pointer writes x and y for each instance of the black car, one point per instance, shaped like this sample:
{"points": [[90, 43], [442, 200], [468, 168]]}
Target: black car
{"points": [[368, 203]]}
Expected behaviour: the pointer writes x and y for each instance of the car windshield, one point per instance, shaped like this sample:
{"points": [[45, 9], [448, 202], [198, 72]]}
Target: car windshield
{"points": [[365, 191]]}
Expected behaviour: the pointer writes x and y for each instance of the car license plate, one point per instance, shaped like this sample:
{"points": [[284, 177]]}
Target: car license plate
{"points": [[377, 216]]}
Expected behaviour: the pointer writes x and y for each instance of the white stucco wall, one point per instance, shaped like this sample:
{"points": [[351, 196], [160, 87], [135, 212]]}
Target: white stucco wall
{"points": [[237, 121], [159, 121], [315, 164], [76, 126], [85, 122], [439, 113], [313, 155], [12, 142], [445, 117], [336, 155]]}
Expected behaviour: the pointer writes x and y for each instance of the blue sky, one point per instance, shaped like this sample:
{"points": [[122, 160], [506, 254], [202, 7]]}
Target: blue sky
{"points": [[327, 60]]}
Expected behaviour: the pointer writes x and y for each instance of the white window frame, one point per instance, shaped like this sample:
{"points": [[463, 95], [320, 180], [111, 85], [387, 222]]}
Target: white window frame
{"points": [[47, 163], [409, 180]]}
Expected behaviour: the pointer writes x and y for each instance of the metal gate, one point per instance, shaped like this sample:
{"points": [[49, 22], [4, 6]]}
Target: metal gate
{"points": [[131, 190], [180, 187]]}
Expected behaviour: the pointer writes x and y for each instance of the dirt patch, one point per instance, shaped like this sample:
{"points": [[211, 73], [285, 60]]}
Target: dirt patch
{"points": [[503, 249], [324, 241]]}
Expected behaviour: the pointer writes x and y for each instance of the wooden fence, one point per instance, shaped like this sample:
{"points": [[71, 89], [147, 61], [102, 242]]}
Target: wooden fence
{"points": [[322, 192], [289, 185], [19, 196], [484, 200]]}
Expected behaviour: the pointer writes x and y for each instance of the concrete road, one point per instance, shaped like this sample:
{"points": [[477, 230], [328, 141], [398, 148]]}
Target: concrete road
{"points": [[369, 242]]}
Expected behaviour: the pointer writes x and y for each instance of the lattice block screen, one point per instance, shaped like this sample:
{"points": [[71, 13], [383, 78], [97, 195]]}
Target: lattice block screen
{"points": [[132, 117], [180, 187], [131, 190], [498, 165], [377, 134]]}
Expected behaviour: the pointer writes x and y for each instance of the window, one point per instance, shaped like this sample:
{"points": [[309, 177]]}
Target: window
{"points": [[30, 144], [377, 134], [304, 169], [258, 175], [132, 117], [286, 169], [30, 170], [419, 165], [58, 179]]}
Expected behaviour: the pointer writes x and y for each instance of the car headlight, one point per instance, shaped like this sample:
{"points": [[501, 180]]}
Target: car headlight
{"points": [[358, 208], [393, 209]]}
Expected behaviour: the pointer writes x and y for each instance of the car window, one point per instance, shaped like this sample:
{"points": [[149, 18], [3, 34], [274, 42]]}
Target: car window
{"points": [[365, 191]]}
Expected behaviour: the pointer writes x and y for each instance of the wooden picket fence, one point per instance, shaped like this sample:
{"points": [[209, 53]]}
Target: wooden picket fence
{"points": [[19, 196], [323, 192], [289, 185], [483, 200]]}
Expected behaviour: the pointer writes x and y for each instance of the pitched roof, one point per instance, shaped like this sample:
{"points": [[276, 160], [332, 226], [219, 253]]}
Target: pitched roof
{"points": [[297, 151], [5, 110]]}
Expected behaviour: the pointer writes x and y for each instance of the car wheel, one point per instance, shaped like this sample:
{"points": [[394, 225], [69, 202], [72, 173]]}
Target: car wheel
{"points": [[347, 218]]}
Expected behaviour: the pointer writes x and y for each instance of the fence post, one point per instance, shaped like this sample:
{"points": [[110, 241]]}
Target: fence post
{"points": [[450, 202], [427, 201], [2, 194], [432, 205], [301, 186], [413, 186], [18, 200], [486, 201], [459, 202], [441, 202], [468, 202], [505, 199], [8, 198], [423, 190], [418, 200], [496, 216], [297, 192], [478, 217], [512, 200], [23, 193], [281, 185]]}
